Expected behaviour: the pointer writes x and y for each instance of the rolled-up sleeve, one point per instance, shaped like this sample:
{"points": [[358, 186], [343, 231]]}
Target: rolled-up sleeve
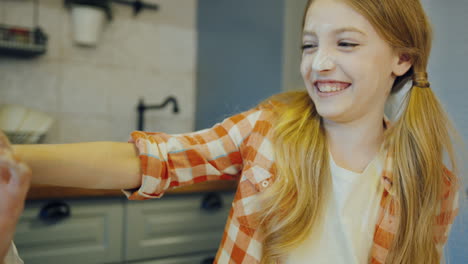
{"points": [[175, 160]]}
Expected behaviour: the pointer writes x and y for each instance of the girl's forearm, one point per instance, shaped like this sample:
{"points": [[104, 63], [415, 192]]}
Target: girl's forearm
{"points": [[94, 165]]}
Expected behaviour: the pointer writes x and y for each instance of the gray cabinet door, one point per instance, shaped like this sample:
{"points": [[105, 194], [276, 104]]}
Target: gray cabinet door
{"points": [[174, 225], [92, 233], [204, 258]]}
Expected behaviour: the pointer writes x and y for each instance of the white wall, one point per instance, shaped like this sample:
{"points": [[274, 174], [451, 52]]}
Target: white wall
{"points": [[447, 72], [448, 63], [240, 53], [93, 93], [294, 11]]}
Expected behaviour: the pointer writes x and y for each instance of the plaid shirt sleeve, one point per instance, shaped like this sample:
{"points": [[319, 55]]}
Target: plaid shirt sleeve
{"points": [[449, 207], [168, 161]]}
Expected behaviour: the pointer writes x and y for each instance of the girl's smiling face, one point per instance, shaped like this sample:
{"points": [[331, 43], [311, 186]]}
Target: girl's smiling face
{"points": [[348, 69]]}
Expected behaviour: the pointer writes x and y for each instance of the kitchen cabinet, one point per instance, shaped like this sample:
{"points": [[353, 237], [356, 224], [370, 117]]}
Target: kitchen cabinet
{"points": [[91, 234], [179, 228], [206, 258], [176, 225]]}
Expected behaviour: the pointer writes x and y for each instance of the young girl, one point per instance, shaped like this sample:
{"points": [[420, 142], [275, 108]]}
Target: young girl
{"points": [[324, 176]]}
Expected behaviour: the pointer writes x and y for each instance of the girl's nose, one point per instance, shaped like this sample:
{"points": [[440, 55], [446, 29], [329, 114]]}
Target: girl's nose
{"points": [[323, 61]]}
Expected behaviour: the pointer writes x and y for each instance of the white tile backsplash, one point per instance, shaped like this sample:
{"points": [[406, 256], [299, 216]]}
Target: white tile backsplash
{"points": [[84, 128], [93, 92], [30, 83], [177, 13], [53, 135], [155, 88], [177, 49], [124, 43], [146, 85], [85, 89], [122, 126], [169, 124]]}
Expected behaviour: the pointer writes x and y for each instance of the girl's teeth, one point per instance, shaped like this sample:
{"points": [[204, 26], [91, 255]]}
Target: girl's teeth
{"points": [[329, 88]]}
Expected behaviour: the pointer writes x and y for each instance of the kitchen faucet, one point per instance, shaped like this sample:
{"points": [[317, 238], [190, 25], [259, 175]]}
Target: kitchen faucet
{"points": [[141, 108]]}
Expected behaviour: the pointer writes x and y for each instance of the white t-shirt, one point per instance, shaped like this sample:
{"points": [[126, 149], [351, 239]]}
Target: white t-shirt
{"points": [[12, 256], [344, 234]]}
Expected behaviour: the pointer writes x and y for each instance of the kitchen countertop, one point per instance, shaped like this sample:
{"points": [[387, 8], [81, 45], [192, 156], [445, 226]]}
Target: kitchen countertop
{"points": [[37, 192]]}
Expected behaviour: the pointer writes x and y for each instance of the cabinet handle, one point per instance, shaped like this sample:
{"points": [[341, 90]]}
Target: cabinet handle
{"points": [[208, 260], [212, 202], [55, 211]]}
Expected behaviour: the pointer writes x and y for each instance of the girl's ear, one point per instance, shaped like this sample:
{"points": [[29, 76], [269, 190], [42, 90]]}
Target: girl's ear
{"points": [[402, 64]]}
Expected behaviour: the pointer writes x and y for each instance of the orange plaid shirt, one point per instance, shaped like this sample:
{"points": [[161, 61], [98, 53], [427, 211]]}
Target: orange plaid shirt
{"points": [[240, 148]]}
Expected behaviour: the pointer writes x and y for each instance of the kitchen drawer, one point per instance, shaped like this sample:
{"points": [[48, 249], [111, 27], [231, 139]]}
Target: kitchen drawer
{"points": [[176, 225], [205, 258], [91, 234]]}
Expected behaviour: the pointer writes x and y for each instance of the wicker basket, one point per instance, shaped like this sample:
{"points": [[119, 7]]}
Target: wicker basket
{"points": [[24, 137], [23, 125]]}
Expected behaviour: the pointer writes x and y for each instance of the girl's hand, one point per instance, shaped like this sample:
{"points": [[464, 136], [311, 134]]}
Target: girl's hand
{"points": [[15, 178]]}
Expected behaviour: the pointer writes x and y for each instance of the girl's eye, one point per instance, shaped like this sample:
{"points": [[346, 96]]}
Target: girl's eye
{"points": [[308, 46], [348, 44]]}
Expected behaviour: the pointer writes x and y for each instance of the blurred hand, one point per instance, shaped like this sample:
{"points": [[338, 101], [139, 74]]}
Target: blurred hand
{"points": [[15, 178]]}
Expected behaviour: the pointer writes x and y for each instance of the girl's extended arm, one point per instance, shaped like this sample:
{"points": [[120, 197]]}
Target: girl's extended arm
{"points": [[93, 165]]}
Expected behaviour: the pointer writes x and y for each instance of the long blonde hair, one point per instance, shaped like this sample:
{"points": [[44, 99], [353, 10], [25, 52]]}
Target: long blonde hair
{"points": [[418, 141]]}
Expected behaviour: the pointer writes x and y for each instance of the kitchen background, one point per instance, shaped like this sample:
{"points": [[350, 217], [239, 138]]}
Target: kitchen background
{"points": [[92, 92], [216, 57]]}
